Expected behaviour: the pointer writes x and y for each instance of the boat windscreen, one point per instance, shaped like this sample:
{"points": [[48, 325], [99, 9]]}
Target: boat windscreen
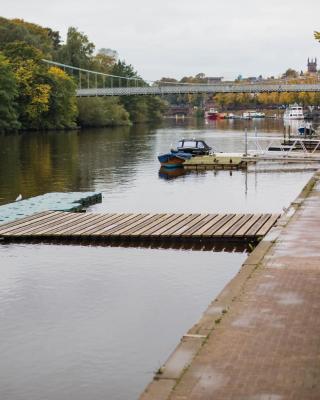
{"points": [[189, 144]]}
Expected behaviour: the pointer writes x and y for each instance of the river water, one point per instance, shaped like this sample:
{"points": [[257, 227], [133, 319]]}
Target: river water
{"points": [[87, 322]]}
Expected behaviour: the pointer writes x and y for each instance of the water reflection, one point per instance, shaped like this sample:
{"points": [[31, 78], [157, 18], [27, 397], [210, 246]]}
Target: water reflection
{"points": [[171, 173]]}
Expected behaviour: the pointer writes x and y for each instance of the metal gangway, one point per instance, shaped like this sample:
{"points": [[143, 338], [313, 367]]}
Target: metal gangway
{"points": [[277, 148]]}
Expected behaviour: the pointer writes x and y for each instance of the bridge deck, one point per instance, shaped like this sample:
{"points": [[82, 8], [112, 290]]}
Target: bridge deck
{"points": [[63, 225]]}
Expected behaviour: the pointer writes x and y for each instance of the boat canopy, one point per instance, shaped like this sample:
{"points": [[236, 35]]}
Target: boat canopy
{"points": [[193, 144]]}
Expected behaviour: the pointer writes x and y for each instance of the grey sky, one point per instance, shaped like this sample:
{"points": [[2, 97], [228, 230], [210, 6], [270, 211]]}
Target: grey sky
{"points": [[184, 37]]}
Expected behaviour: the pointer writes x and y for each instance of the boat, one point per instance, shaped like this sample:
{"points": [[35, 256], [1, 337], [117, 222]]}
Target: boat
{"points": [[186, 149], [195, 147], [253, 114], [306, 130], [212, 114], [294, 111], [173, 159]]}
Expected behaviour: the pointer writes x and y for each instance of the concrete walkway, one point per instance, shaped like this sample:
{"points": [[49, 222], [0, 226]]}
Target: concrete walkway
{"points": [[260, 340]]}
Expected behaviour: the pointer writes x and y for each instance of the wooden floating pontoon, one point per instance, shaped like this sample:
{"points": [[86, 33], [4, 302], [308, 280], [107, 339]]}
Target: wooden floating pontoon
{"points": [[216, 161], [166, 226]]}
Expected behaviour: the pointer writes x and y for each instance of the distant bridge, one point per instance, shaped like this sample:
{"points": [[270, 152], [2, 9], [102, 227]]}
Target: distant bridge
{"points": [[194, 89], [94, 83]]}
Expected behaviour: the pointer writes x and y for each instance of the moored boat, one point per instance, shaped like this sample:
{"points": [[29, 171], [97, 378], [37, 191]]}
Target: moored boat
{"points": [[212, 114], [253, 114], [294, 111], [192, 146], [186, 149], [173, 160], [306, 130]]}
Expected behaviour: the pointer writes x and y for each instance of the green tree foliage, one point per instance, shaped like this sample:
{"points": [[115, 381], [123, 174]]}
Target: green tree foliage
{"points": [[34, 92], [98, 111], [77, 51], [290, 73], [8, 93], [44, 39], [141, 109], [45, 97], [63, 109]]}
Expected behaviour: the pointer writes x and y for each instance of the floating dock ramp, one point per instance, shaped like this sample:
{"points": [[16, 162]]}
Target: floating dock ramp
{"points": [[63, 226]]}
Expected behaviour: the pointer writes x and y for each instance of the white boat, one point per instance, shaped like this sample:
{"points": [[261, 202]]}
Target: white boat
{"points": [[294, 111], [253, 114]]}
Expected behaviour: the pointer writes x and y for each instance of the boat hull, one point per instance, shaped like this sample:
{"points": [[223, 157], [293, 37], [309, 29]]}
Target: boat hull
{"points": [[306, 131], [172, 160]]}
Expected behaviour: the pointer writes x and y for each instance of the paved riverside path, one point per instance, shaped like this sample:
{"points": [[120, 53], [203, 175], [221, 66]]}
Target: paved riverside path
{"points": [[266, 343]]}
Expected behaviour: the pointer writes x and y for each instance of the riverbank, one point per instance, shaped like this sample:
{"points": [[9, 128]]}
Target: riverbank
{"points": [[259, 338]]}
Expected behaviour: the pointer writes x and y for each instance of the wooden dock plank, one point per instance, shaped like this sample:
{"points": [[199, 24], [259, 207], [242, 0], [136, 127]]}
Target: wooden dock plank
{"points": [[228, 225], [268, 225], [255, 228], [102, 221], [235, 228], [104, 224], [109, 230], [38, 224], [123, 231], [207, 226], [214, 228], [6, 225], [12, 226], [146, 224], [168, 225], [148, 228], [181, 226], [74, 225], [191, 224], [164, 223], [242, 231], [58, 225], [192, 229]]}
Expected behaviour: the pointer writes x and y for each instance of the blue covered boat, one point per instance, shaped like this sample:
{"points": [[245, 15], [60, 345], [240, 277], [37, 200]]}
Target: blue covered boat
{"points": [[173, 160]]}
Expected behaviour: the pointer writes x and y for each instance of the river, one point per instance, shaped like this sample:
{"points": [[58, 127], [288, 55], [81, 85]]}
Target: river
{"points": [[93, 322]]}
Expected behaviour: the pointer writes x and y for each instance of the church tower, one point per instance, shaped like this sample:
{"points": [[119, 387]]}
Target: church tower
{"points": [[312, 66]]}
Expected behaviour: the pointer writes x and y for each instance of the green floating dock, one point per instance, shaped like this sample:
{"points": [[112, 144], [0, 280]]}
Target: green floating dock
{"points": [[55, 201]]}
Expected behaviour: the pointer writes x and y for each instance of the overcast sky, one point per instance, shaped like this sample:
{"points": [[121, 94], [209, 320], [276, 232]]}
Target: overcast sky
{"points": [[163, 38]]}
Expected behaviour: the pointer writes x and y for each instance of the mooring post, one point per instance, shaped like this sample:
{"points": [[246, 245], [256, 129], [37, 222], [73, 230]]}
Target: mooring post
{"points": [[246, 141]]}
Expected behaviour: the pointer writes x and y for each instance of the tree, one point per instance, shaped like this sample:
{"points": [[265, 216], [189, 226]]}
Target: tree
{"points": [[33, 91], [77, 51], [35, 35], [290, 73], [97, 111], [8, 93], [62, 110]]}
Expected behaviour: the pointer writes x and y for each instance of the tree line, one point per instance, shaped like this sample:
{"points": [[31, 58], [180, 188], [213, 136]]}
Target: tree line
{"points": [[35, 96]]}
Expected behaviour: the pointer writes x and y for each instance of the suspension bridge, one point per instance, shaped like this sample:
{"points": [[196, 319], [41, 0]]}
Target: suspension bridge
{"points": [[94, 83]]}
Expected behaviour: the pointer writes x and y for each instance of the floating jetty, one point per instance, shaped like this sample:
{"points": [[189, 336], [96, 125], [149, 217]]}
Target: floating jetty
{"points": [[216, 161], [63, 226], [55, 201]]}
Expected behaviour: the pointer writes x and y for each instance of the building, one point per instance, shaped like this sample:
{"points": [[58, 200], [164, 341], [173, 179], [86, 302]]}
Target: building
{"points": [[312, 66]]}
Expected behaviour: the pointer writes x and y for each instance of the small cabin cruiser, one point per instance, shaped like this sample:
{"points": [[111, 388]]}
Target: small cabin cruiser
{"points": [[186, 149], [193, 146], [294, 111]]}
